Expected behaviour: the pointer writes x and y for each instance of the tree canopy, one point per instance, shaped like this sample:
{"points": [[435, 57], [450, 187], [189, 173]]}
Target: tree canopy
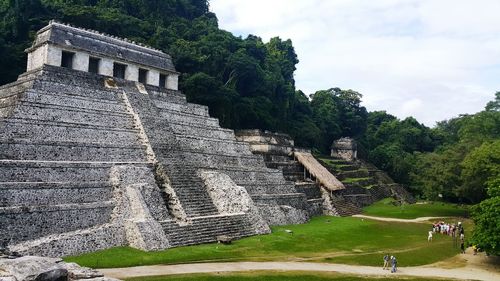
{"points": [[248, 83]]}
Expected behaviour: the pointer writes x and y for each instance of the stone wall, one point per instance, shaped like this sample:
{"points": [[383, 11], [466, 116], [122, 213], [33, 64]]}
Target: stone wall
{"points": [[89, 162], [266, 142], [278, 152], [85, 166], [56, 38]]}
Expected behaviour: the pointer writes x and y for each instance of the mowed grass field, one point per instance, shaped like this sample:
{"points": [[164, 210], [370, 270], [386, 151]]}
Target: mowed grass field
{"points": [[324, 239], [386, 208], [273, 276]]}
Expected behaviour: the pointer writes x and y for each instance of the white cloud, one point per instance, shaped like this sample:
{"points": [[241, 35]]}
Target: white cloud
{"points": [[444, 54], [411, 106]]}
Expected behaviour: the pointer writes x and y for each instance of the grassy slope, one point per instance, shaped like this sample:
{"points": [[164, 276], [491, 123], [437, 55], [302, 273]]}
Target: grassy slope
{"points": [[271, 276], [385, 208], [327, 239]]}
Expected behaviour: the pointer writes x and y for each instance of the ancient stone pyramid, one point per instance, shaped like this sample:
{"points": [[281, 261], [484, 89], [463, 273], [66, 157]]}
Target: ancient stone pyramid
{"points": [[99, 149]]}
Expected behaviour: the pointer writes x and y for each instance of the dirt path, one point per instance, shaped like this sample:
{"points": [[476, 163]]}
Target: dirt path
{"points": [[469, 272], [457, 273], [421, 219]]}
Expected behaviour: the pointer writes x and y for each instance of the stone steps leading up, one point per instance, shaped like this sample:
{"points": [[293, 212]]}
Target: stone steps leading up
{"points": [[190, 190], [310, 189], [198, 140], [293, 173], [345, 208], [206, 229]]}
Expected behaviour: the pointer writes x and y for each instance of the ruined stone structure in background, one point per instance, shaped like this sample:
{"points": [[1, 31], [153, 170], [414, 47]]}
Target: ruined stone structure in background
{"points": [[345, 148], [99, 149], [361, 183]]}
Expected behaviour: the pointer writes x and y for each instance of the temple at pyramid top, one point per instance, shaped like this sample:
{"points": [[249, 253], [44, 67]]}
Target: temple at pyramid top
{"points": [[87, 50]]}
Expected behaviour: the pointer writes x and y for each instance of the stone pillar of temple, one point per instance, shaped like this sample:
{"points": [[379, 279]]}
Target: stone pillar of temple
{"points": [[172, 82]]}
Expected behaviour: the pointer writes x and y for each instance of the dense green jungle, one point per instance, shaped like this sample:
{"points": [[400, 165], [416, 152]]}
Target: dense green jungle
{"points": [[248, 83]]}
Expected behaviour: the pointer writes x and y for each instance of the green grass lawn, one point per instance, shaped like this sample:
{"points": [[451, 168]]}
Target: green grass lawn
{"points": [[385, 208], [353, 180], [325, 239], [273, 276]]}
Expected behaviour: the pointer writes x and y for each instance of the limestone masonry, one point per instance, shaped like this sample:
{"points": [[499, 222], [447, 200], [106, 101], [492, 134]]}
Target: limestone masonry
{"points": [[98, 149], [358, 183]]}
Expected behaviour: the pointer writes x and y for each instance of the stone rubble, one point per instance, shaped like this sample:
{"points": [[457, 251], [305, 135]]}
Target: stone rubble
{"points": [[33, 268]]}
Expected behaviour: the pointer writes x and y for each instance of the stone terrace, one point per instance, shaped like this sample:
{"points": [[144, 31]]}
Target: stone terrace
{"points": [[89, 162]]}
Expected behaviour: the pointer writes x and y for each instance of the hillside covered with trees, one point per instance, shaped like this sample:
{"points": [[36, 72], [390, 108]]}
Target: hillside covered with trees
{"points": [[248, 83]]}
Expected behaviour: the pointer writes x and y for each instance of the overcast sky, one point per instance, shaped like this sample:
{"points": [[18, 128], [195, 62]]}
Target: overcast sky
{"points": [[431, 59]]}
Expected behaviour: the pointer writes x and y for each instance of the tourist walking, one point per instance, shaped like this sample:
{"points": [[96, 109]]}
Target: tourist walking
{"points": [[429, 238], [386, 262], [394, 264]]}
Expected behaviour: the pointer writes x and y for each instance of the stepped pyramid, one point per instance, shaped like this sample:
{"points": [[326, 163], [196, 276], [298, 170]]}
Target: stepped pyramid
{"points": [[362, 183], [98, 148]]}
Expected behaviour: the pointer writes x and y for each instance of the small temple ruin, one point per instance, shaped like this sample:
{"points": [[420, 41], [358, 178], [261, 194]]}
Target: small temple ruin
{"points": [[345, 148], [99, 148]]}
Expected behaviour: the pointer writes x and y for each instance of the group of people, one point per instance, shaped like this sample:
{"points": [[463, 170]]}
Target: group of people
{"points": [[390, 261], [449, 229], [446, 229]]}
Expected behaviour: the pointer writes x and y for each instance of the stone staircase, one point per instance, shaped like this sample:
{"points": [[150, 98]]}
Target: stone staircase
{"points": [[190, 190], [63, 135], [200, 144], [364, 184], [343, 206], [206, 229], [294, 172]]}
